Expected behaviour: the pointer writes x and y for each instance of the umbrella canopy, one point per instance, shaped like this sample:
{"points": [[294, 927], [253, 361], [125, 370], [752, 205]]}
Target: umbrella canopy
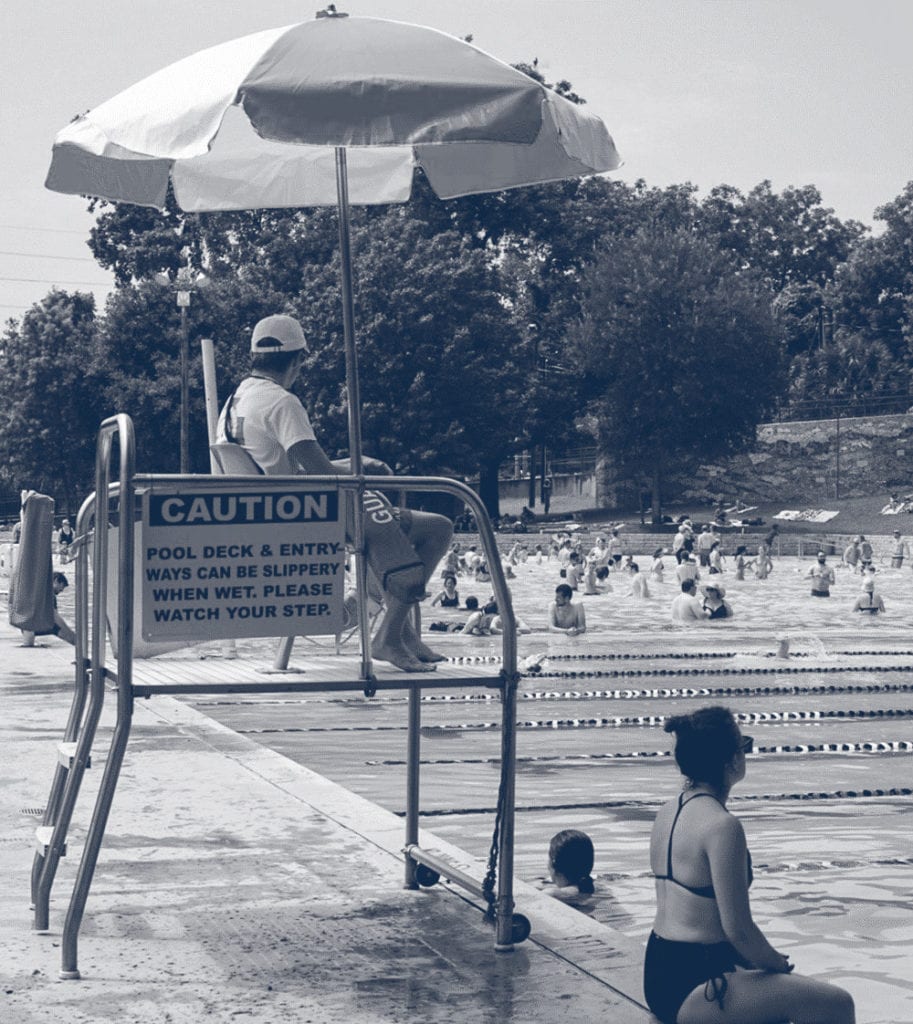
{"points": [[256, 123], [331, 111]]}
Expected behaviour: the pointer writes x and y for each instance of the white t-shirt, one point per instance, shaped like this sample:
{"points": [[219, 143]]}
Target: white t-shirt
{"points": [[266, 420]]}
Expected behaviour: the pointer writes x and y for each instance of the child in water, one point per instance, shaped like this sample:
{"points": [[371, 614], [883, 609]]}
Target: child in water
{"points": [[570, 865]]}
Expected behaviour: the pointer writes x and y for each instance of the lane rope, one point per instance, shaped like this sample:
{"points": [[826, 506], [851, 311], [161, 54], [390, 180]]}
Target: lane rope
{"points": [[795, 689], [840, 794], [864, 747], [614, 722]]}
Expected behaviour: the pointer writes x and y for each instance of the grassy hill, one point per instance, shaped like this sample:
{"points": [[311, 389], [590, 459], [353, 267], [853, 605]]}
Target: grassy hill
{"points": [[855, 515]]}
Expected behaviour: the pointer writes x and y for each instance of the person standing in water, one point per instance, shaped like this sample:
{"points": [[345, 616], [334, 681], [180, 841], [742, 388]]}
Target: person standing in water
{"points": [[822, 577], [564, 616]]}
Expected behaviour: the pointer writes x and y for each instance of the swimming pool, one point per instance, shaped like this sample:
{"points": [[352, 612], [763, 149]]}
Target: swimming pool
{"points": [[826, 802]]}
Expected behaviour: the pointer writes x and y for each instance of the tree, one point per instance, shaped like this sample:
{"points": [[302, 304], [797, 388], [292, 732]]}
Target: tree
{"points": [[442, 362], [803, 317], [679, 348], [849, 371], [874, 288], [139, 344], [51, 398], [789, 238]]}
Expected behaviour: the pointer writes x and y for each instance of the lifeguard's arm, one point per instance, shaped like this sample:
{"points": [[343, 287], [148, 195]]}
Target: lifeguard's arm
{"points": [[309, 458], [727, 854], [373, 467]]}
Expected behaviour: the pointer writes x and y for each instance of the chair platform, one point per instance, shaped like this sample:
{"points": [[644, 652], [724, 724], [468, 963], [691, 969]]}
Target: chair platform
{"points": [[336, 672]]}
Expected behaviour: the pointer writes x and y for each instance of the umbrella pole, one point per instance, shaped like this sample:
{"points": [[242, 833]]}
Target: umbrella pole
{"points": [[355, 454], [348, 311]]}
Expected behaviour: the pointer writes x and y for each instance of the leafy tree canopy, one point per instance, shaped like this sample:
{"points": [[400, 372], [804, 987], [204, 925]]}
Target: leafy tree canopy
{"points": [[50, 403], [679, 348]]}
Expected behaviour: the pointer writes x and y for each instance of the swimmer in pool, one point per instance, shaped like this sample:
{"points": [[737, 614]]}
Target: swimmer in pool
{"points": [[570, 867], [687, 606], [868, 602], [706, 959], [449, 597], [715, 605], [564, 616], [822, 577], [657, 568]]}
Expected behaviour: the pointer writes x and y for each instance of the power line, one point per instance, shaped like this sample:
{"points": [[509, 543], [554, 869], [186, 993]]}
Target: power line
{"points": [[32, 227], [41, 280], [46, 256]]}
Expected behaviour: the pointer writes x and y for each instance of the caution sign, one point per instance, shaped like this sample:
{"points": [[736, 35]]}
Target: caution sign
{"points": [[269, 561]]}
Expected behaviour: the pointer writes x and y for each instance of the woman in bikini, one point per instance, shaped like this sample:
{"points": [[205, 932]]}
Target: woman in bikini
{"points": [[449, 597], [868, 602], [707, 962]]}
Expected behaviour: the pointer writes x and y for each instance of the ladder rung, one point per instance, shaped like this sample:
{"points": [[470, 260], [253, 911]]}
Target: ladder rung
{"points": [[66, 755], [43, 835]]}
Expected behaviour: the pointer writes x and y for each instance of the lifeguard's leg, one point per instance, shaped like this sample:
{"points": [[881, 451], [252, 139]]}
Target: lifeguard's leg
{"points": [[395, 640], [430, 535]]}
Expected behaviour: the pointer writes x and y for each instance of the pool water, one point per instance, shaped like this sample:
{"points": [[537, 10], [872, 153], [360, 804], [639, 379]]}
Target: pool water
{"points": [[833, 723]]}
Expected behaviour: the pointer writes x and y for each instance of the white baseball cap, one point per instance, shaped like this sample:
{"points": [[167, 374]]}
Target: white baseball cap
{"points": [[278, 333]]}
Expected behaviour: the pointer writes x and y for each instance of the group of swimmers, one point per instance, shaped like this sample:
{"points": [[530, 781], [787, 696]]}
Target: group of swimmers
{"points": [[590, 572]]}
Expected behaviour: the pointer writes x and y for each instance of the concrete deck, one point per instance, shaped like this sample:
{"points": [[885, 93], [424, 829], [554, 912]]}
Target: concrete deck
{"points": [[234, 884]]}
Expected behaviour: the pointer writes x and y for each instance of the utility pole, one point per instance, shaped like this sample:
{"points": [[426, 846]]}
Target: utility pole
{"points": [[184, 284]]}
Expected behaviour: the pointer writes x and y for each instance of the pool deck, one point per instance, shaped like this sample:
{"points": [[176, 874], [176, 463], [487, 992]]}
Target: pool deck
{"points": [[234, 884]]}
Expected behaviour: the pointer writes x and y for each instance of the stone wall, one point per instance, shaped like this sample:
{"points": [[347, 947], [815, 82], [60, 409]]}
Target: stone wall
{"points": [[806, 461]]}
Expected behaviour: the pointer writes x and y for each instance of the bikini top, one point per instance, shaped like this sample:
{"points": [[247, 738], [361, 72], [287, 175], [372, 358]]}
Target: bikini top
{"points": [[698, 890]]}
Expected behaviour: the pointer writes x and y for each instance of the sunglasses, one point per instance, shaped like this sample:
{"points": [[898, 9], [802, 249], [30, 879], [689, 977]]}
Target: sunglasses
{"points": [[747, 744]]}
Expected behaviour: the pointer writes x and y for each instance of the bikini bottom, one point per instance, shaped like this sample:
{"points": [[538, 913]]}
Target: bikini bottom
{"points": [[673, 970]]}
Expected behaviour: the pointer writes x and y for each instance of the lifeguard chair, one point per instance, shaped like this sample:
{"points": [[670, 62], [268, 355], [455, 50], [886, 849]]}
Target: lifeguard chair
{"points": [[147, 508]]}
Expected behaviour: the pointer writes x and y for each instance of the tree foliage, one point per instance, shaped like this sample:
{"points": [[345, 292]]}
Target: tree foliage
{"points": [[873, 294], [50, 398], [678, 346], [789, 238], [486, 324]]}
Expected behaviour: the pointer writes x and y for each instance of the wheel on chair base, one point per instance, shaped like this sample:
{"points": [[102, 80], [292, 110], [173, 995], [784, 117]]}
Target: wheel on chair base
{"points": [[426, 876], [520, 928]]}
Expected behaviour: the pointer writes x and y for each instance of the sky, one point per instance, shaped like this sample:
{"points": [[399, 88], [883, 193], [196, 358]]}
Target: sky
{"points": [[708, 91]]}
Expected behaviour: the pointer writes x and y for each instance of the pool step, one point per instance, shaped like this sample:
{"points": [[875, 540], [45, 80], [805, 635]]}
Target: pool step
{"points": [[66, 755], [43, 836]]}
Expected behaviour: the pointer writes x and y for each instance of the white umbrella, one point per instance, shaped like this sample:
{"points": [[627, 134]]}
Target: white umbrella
{"points": [[326, 112]]}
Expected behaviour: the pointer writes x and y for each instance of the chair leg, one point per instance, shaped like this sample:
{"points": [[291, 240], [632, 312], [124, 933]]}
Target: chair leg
{"points": [[284, 653]]}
